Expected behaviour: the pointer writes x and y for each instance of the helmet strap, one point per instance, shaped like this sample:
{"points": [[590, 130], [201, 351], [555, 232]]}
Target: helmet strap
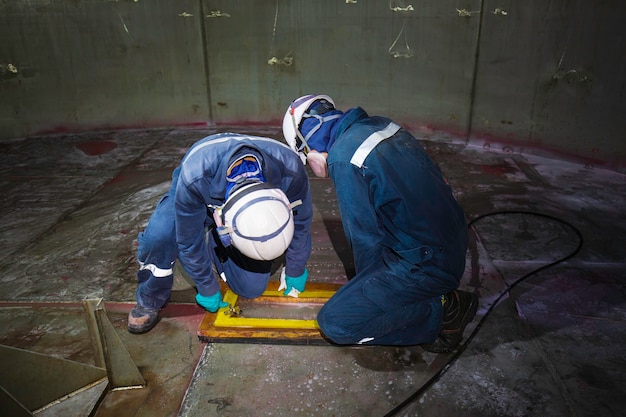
{"points": [[253, 186], [320, 121], [312, 111], [303, 146]]}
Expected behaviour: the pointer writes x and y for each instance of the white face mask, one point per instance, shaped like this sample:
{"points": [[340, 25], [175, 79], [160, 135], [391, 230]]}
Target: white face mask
{"points": [[317, 162]]}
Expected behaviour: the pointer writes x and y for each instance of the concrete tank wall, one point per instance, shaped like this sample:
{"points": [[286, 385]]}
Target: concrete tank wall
{"points": [[532, 75]]}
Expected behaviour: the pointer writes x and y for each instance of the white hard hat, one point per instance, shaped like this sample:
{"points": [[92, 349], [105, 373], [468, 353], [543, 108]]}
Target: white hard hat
{"points": [[293, 118], [259, 220]]}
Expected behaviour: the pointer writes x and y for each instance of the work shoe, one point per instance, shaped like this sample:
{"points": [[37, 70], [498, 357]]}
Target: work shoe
{"points": [[459, 308], [141, 319]]}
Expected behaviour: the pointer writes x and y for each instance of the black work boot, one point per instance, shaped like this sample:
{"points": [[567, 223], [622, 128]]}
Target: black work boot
{"points": [[459, 308], [142, 319]]}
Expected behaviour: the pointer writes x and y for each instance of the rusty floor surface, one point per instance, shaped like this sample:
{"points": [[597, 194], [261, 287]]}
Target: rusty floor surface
{"points": [[554, 345]]}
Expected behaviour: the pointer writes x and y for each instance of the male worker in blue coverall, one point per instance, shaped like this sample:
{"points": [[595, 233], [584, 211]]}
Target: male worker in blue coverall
{"points": [[407, 232], [236, 203]]}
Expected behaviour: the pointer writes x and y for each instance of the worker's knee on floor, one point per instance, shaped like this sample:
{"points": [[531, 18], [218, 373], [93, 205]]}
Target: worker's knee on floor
{"points": [[333, 329], [330, 332]]}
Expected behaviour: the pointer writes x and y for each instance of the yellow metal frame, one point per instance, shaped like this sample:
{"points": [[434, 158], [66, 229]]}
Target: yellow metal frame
{"points": [[223, 326], [223, 319]]}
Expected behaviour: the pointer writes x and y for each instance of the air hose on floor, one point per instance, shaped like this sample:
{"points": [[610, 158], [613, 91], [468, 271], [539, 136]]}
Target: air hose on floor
{"points": [[426, 386]]}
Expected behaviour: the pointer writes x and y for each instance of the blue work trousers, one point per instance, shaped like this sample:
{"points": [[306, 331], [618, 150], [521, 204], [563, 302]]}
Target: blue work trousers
{"points": [[157, 254], [391, 302]]}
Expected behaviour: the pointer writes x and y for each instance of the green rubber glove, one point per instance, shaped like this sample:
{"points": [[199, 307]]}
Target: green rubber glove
{"points": [[293, 286], [212, 303]]}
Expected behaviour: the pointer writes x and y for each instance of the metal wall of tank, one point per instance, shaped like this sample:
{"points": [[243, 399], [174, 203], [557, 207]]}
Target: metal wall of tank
{"points": [[542, 76]]}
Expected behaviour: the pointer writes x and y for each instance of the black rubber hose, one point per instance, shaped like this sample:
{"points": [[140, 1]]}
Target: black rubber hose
{"points": [[464, 345]]}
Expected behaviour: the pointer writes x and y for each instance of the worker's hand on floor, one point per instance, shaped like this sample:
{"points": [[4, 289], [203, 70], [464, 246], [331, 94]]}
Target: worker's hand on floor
{"points": [[293, 286], [212, 303]]}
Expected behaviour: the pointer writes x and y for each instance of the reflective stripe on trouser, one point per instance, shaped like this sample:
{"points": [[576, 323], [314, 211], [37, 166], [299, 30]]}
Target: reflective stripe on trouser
{"points": [[156, 255], [386, 304], [153, 292]]}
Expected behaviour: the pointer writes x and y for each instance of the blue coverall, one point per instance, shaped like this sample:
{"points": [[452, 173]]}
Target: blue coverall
{"points": [[407, 232], [176, 229]]}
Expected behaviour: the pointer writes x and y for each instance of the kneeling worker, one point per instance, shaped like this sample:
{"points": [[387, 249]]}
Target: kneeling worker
{"points": [[407, 232], [236, 203]]}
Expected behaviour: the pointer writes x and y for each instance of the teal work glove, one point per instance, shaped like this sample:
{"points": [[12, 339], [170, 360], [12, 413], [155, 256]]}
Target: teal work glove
{"points": [[212, 303], [293, 286]]}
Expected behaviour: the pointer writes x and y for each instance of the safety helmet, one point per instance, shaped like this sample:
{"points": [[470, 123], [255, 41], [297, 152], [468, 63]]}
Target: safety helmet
{"points": [[293, 118], [258, 219]]}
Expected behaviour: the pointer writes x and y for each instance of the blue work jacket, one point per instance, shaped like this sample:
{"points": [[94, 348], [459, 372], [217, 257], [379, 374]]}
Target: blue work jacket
{"points": [[202, 183], [396, 206]]}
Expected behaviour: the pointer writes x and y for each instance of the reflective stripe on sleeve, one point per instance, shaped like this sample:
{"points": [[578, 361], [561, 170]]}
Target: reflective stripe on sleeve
{"points": [[370, 143]]}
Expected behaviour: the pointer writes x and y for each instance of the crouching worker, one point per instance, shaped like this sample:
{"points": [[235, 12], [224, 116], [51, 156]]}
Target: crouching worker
{"points": [[236, 203], [407, 232]]}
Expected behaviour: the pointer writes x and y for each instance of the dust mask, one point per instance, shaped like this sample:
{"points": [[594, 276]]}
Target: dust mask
{"points": [[317, 162]]}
